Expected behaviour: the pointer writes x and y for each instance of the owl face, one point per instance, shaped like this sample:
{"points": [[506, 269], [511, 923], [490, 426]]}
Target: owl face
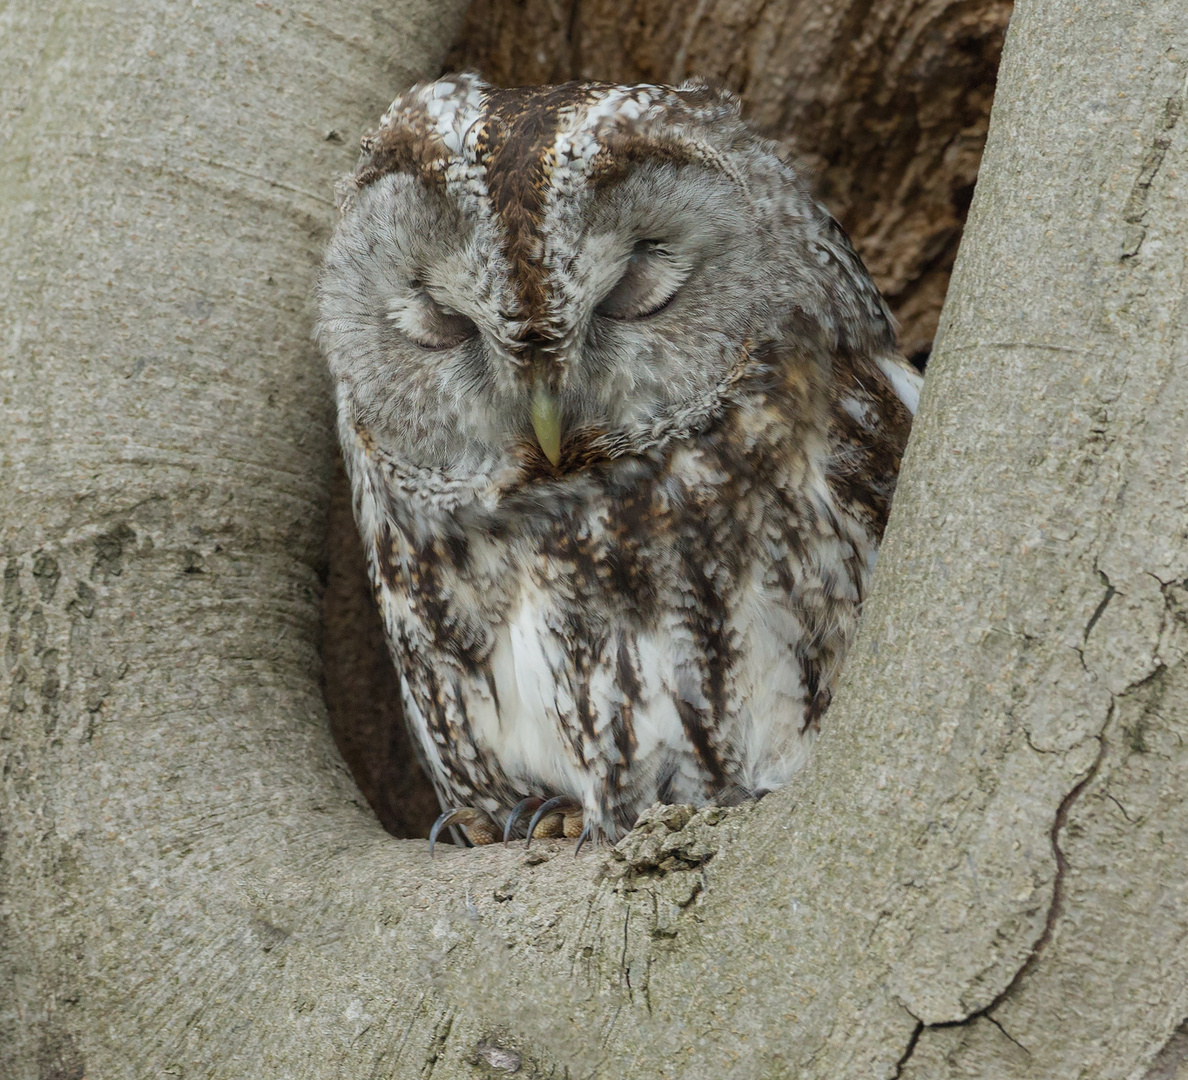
{"points": [[516, 271]]}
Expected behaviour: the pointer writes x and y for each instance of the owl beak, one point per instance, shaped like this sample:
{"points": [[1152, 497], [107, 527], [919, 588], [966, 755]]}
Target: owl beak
{"points": [[546, 421]]}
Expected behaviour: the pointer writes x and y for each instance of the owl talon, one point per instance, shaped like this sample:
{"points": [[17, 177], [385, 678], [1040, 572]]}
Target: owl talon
{"points": [[517, 811], [477, 825], [587, 834], [563, 814]]}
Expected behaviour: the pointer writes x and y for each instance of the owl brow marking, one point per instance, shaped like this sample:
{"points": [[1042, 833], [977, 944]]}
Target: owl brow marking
{"points": [[402, 149], [516, 145], [623, 151]]}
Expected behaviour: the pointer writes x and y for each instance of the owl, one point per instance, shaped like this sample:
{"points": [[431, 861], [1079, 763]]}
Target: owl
{"points": [[622, 412]]}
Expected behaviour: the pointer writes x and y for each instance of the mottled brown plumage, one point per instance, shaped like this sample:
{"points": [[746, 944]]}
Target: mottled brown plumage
{"points": [[656, 605]]}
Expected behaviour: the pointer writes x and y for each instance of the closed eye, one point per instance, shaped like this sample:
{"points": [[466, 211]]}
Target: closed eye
{"points": [[652, 278], [426, 322]]}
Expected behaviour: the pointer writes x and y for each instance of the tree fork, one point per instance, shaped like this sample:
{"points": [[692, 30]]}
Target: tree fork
{"points": [[981, 872]]}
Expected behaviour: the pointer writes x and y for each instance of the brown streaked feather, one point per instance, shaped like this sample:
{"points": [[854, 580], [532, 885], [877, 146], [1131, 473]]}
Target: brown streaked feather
{"points": [[402, 149], [523, 126]]}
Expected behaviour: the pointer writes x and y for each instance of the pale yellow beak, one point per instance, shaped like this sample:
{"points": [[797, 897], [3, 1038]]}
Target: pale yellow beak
{"points": [[546, 421]]}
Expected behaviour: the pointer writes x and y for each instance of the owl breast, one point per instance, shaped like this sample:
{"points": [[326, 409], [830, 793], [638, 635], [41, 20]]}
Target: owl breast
{"points": [[658, 626]]}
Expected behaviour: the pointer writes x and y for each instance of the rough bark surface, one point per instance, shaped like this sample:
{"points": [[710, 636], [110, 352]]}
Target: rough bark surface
{"points": [[982, 873], [885, 102], [166, 448]]}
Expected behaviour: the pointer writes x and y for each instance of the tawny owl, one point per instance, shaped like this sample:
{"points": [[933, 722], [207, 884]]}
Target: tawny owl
{"points": [[622, 412]]}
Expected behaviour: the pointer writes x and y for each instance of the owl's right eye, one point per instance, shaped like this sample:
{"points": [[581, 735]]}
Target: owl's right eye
{"points": [[650, 281], [427, 323]]}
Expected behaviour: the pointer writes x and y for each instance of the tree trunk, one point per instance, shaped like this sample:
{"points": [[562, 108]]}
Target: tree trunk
{"points": [[983, 871]]}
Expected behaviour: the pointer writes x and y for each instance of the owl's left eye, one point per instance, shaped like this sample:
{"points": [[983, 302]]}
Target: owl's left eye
{"points": [[428, 323], [652, 278]]}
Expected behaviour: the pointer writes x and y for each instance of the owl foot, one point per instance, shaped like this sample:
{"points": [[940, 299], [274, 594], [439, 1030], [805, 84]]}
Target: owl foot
{"points": [[551, 818], [477, 826], [558, 816], [589, 832], [518, 811]]}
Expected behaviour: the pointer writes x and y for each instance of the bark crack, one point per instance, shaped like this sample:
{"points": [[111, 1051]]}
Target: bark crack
{"points": [[440, 1037], [909, 1049], [1057, 905], [624, 968], [1054, 910], [1137, 204], [1008, 1035], [1119, 806], [1110, 593]]}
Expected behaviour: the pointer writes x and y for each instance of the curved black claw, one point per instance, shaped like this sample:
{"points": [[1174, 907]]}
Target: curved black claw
{"points": [[516, 812], [587, 834], [443, 821], [546, 807]]}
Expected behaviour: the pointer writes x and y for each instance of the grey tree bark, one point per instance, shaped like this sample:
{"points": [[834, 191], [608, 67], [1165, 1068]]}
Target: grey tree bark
{"points": [[984, 872]]}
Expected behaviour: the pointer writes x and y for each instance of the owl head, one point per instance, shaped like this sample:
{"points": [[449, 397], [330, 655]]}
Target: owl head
{"points": [[515, 269]]}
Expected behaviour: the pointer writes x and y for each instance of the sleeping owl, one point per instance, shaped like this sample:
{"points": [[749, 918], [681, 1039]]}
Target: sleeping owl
{"points": [[622, 412]]}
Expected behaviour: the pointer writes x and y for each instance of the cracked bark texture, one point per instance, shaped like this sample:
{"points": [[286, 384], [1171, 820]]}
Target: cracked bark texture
{"points": [[983, 871]]}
